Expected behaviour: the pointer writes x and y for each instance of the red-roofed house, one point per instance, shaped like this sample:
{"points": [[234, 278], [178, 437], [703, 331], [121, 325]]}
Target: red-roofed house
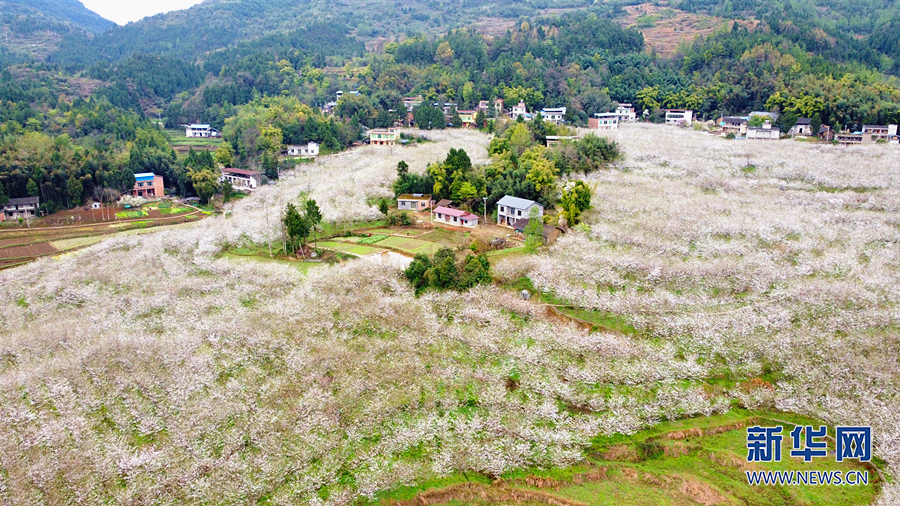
{"points": [[241, 179], [455, 217]]}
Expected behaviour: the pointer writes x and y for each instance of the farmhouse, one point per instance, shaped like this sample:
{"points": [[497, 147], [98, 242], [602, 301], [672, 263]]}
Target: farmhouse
{"points": [[148, 185], [764, 132], [736, 125], [510, 209], [519, 110], [467, 117], [413, 202], [383, 136], [555, 115], [310, 150], [604, 121], [626, 113], [802, 127], [880, 132], [679, 117], [200, 130], [241, 179], [445, 203], [848, 138], [25, 207], [456, 217]]}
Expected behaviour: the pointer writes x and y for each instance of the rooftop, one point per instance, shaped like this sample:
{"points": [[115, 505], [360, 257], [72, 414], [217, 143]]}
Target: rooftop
{"points": [[414, 196], [516, 202], [23, 201], [242, 172], [459, 213]]}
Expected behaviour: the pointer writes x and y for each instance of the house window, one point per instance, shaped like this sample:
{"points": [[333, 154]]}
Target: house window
{"points": [[519, 212], [502, 210]]}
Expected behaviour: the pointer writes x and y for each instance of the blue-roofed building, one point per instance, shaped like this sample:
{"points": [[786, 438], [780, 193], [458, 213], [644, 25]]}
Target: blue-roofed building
{"points": [[510, 209], [148, 185]]}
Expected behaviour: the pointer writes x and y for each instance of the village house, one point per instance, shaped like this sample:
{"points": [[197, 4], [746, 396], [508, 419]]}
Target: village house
{"points": [[498, 108], [413, 202], [519, 110], [826, 133], [20, 208], [803, 127], [455, 217], [849, 138], [765, 132], [241, 179], [679, 117], [383, 136], [445, 203], [328, 109], [467, 117], [880, 132], [555, 115], [310, 150], [200, 130], [604, 121], [626, 113], [483, 106], [736, 125], [148, 185], [510, 209]]}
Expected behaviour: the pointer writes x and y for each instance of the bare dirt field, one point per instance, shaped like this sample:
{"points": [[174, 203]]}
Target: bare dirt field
{"points": [[672, 27]]}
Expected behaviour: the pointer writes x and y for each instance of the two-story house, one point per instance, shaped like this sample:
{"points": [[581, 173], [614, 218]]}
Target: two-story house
{"points": [[604, 121], [555, 115], [148, 185], [20, 208], [200, 130], [510, 209]]}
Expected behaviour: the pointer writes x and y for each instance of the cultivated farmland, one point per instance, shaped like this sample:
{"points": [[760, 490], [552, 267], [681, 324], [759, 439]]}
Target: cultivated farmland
{"points": [[149, 369]]}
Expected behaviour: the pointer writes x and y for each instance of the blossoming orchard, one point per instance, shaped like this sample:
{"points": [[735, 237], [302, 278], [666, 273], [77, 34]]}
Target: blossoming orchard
{"points": [[151, 369]]}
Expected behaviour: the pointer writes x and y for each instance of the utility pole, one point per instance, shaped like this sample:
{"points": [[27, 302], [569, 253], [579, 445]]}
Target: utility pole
{"points": [[485, 211], [266, 206]]}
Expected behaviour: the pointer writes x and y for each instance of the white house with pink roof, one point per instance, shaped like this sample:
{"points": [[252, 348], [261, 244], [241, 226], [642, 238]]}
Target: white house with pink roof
{"points": [[455, 217]]}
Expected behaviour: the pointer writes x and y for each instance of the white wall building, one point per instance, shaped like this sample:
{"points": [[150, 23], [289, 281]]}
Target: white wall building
{"points": [[310, 150], [555, 115], [626, 113], [679, 117], [200, 130], [604, 121], [510, 209], [241, 179]]}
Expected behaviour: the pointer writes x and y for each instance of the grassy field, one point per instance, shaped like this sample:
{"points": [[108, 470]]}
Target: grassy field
{"points": [[302, 266], [354, 249], [685, 462], [412, 246], [177, 138]]}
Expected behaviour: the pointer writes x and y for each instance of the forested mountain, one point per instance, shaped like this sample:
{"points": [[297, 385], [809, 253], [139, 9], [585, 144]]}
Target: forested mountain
{"points": [[69, 11], [30, 30], [221, 62]]}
